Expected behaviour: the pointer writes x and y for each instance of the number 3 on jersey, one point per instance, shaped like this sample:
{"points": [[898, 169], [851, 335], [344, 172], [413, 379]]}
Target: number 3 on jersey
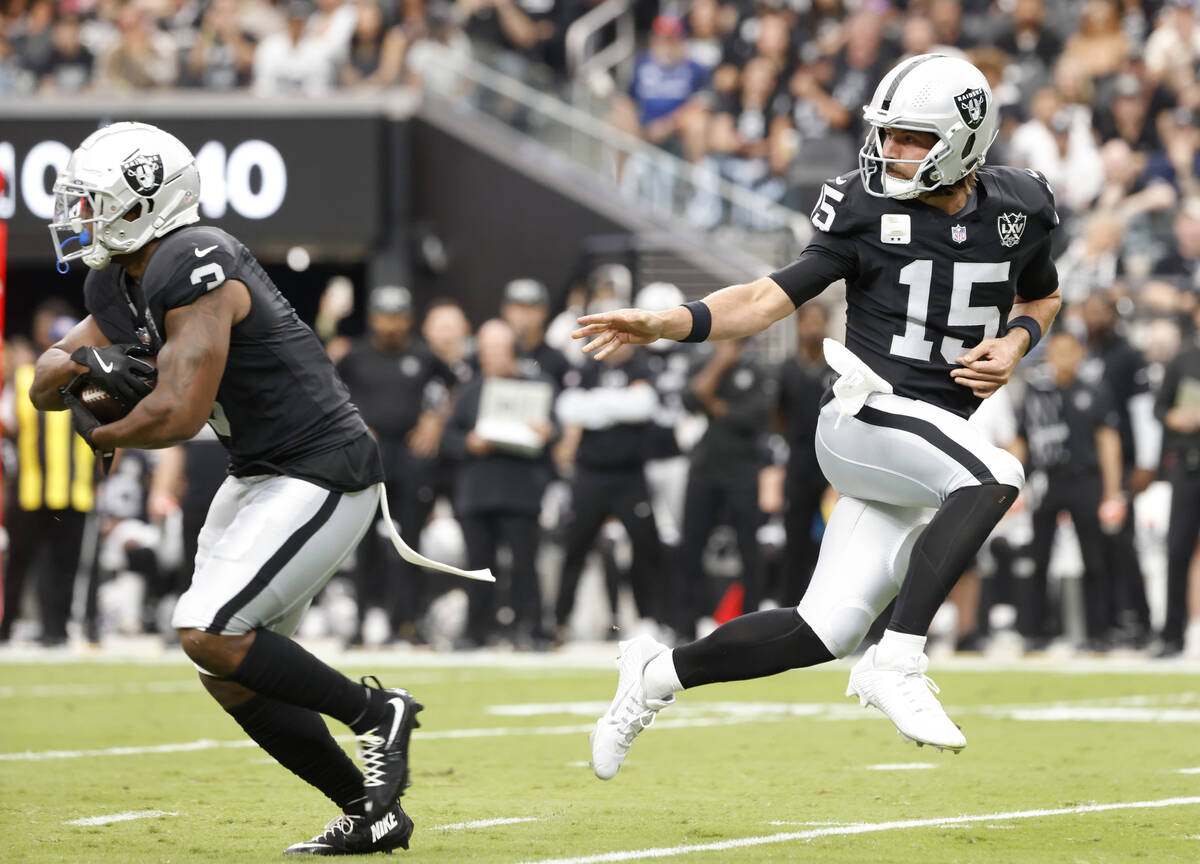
{"points": [[918, 276]]}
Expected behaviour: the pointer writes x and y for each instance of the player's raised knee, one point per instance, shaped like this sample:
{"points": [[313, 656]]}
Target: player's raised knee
{"points": [[217, 654], [841, 629]]}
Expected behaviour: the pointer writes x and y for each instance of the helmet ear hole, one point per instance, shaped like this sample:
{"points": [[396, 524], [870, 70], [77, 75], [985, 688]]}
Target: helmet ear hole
{"points": [[134, 213], [967, 147]]}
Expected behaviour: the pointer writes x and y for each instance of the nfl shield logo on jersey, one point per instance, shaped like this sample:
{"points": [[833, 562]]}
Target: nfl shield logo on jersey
{"points": [[1011, 226], [958, 233]]}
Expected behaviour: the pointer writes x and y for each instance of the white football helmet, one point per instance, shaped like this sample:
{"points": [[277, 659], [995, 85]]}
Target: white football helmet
{"points": [[127, 184], [934, 93]]}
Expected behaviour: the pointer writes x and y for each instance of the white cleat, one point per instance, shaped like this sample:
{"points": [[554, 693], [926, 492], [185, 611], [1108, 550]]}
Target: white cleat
{"points": [[905, 694], [630, 711]]}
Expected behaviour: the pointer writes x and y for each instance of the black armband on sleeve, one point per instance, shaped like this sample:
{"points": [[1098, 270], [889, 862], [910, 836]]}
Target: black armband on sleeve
{"points": [[701, 321]]}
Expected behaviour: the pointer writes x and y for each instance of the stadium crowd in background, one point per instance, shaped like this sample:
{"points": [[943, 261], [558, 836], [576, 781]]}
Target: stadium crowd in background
{"points": [[1103, 97]]}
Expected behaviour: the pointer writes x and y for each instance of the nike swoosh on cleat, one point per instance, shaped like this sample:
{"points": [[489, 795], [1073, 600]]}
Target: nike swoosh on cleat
{"points": [[200, 253], [107, 367], [397, 720]]}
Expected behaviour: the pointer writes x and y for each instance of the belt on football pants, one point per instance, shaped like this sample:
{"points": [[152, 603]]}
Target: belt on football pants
{"points": [[856, 380]]}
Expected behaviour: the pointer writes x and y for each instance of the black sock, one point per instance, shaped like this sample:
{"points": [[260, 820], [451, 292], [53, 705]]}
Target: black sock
{"points": [[299, 740], [751, 646], [944, 550], [276, 666]]}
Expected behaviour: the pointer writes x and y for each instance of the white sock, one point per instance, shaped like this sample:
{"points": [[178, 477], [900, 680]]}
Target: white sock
{"points": [[659, 678], [894, 647]]}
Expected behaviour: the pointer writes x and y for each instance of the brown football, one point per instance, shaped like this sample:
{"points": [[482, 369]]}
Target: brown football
{"points": [[106, 407]]}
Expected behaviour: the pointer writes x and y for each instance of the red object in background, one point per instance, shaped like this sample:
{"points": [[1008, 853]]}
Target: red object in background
{"points": [[730, 606], [3, 296]]}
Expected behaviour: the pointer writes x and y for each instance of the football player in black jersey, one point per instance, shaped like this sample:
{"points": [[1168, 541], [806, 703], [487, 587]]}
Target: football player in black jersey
{"points": [[304, 475], [949, 282]]}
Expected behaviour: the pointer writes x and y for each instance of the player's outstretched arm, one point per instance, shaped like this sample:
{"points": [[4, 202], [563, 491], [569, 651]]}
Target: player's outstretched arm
{"points": [[190, 366], [988, 366], [737, 311], [55, 368]]}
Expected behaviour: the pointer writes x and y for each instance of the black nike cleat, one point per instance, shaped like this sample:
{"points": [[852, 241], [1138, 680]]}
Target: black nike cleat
{"points": [[359, 835], [384, 749]]}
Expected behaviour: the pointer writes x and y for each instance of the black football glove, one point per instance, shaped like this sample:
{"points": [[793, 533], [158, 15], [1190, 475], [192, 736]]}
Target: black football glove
{"points": [[117, 369], [84, 421]]}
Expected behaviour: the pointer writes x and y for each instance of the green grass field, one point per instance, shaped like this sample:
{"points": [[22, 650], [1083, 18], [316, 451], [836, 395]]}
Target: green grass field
{"points": [[787, 766]]}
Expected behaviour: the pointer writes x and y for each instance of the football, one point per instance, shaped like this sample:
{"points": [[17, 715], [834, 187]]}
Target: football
{"points": [[106, 407]]}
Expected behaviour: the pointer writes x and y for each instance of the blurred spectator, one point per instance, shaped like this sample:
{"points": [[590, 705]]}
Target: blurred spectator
{"points": [[500, 483], [1068, 436], [448, 333], [1178, 406], [295, 60], [71, 65], [1100, 44], [222, 54], [1178, 163], [947, 18], [708, 22], [376, 54], [1121, 369], [737, 396], [1060, 143], [144, 57], [402, 391], [662, 105], [1183, 259], [518, 32], [525, 307], [856, 70], [1174, 47], [1130, 113], [607, 414], [55, 492], [32, 38], [803, 379], [1033, 47]]}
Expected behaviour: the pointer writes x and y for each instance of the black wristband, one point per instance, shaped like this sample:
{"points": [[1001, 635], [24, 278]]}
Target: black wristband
{"points": [[701, 321], [1029, 325]]}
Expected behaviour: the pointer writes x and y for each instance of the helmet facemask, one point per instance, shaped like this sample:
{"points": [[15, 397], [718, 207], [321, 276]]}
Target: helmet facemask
{"points": [[926, 177]]}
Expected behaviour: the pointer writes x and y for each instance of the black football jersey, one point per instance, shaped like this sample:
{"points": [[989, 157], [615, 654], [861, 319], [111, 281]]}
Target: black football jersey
{"points": [[923, 286], [280, 401]]}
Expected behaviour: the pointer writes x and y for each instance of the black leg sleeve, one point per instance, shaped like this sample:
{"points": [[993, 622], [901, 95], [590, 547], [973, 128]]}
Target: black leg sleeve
{"points": [[299, 740], [944, 550], [751, 646], [276, 666]]}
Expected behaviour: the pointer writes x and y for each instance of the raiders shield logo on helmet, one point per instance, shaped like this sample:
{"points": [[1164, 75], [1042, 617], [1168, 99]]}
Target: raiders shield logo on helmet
{"points": [[1011, 226], [972, 105], [144, 174]]}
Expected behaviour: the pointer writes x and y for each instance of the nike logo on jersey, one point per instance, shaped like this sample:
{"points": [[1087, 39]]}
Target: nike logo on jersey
{"points": [[200, 253], [107, 367], [383, 826]]}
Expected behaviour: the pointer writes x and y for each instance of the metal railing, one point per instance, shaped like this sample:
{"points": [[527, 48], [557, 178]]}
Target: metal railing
{"points": [[664, 186], [582, 60]]}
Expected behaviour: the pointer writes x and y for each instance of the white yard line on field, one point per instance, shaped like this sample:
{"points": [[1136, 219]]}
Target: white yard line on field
{"points": [[900, 766], [127, 816], [483, 823], [1188, 771], [863, 828], [439, 735]]}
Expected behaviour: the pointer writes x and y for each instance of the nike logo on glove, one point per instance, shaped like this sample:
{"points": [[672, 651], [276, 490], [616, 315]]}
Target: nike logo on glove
{"points": [[107, 367], [200, 253]]}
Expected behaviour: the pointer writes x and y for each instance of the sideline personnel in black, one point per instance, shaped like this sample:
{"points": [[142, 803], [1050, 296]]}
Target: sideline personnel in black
{"points": [[613, 405], [737, 396], [401, 389], [1068, 430], [498, 492], [1178, 406], [526, 308], [803, 380]]}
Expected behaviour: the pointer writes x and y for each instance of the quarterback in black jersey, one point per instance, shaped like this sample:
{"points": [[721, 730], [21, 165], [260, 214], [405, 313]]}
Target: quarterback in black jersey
{"points": [[949, 282], [304, 477]]}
